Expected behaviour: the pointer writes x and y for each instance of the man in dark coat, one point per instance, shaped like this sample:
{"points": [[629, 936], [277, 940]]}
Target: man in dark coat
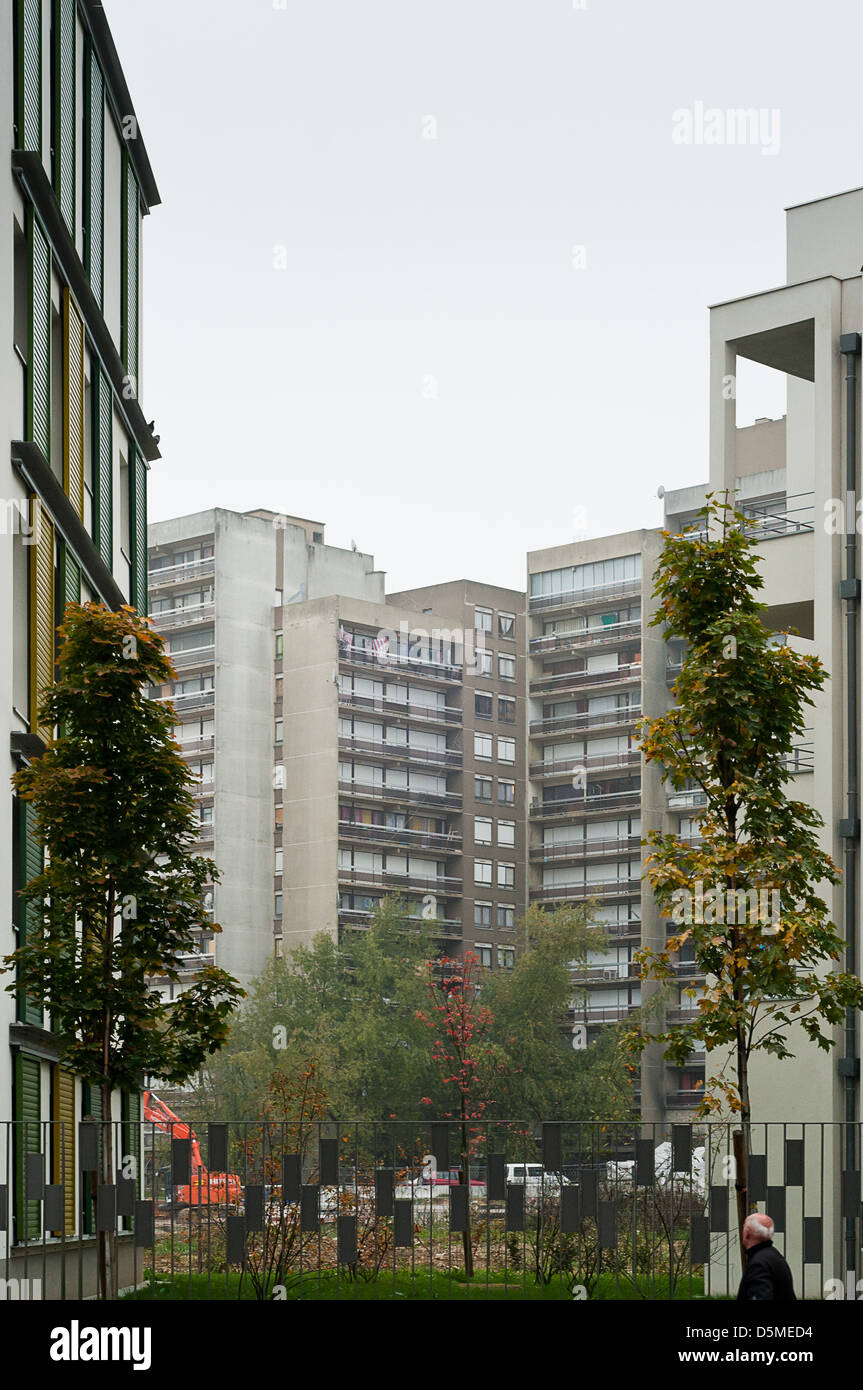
{"points": [[766, 1276]]}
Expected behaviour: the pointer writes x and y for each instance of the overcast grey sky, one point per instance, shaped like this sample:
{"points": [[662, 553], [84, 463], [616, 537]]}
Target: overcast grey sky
{"points": [[350, 321]]}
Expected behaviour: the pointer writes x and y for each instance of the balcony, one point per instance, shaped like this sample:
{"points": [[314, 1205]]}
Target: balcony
{"points": [[588, 640], [180, 574], [410, 710], [684, 1100], [561, 724], [679, 1015], [204, 835], [610, 1014], [355, 919], [402, 752], [578, 892], [605, 975], [444, 884], [580, 598], [193, 657], [400, 795], [598, 761], [688, 799], [585, 680], [446, 844], [192, 699], [579, 804], [449, 672], [198, 745], [183, 617], [585, 849]]}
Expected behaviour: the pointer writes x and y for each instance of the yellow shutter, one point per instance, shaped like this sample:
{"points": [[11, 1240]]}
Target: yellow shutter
{"points": [[73, 404], [41, 610], [63, 1115]]}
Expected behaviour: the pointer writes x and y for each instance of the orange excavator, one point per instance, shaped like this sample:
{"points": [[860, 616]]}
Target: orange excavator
{"points": [[205, 1188]]}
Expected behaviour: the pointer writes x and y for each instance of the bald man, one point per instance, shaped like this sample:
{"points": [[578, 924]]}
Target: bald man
{"points": [[766, 1276]]}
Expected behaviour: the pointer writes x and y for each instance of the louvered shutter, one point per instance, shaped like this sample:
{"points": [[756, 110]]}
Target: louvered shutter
{"points": [[63, 1164], [31, 862], [73, 403], [70, 579], [131, 240], [38, 422], [138, 525], [28, 114], [28, 1139], [103, 472], [94, 175], [131, 1112], [41, 611], [91, 1104], [65, 108]]}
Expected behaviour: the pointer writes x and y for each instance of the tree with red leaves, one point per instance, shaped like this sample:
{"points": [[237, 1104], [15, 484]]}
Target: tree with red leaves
{"points": [[460, 1026]]}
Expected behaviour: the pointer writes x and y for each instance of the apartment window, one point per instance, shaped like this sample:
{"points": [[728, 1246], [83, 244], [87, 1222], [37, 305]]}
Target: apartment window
{"points": [[482, 619], [318, 537], [482, 871], [506, 957], [506, 668], [484, 659], [482, 914], [506, 750], [482, 705], [506, 709], [506, 625], [506, 875], [280, 681], [277, 905], [280, 645], [280, 856], [279, 812], [482, 746], [278, 941], [506, 792], [484, 954], [506, 832], [205, 815], [482, 830], [482, 788], [280, 725], [505, 917]]}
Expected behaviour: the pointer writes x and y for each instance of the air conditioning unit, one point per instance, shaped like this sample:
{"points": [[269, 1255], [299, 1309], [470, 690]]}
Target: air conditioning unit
{"points": [[611, 973]]}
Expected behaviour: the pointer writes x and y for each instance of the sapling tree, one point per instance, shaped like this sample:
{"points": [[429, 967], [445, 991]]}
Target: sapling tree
{"points": [[745, 896], [120, 898]]}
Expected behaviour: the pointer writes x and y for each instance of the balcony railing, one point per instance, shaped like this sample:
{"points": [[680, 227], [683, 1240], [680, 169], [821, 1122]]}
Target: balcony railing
{"points": [[590, 637], [193, 656], [198, 745], [583, 680], [574, 598], [449, 843], [564, 723], [573, 805], [630, 758], [178, 574], [357, 918], [585, 849], [406, 709], [572, 892], [183, 617], [402, 752], [609, 1014], [445, 884], [396, 661], [192, 699], [414, 797]]}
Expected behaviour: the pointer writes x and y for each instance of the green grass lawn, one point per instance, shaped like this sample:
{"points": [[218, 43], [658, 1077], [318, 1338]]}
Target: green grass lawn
{"points": [[422, 1285]]}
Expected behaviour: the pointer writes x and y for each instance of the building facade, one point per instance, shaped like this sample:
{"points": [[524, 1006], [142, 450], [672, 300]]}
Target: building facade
{"points": [[76, 452]]}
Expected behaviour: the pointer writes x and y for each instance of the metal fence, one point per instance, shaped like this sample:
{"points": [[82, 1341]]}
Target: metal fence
{"points": [[332, 1210]]}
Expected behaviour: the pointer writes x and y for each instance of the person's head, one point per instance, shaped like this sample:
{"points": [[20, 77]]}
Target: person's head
{"points": [[757, 1227]]}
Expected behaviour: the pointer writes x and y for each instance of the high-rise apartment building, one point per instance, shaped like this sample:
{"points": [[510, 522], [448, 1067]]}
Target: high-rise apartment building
{"points": [[77, 447]]}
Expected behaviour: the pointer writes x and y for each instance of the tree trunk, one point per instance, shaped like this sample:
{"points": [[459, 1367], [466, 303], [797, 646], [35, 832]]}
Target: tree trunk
{"points": [[105, 1177], [463, 1178], [741, 1139]]}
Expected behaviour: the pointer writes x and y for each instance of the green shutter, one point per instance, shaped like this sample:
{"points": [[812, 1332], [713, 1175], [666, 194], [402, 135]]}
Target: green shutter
{"points": [[103, 471], [138, 526], [28, 113], [69, 580], [31, 863], [131, 239], [91, 1104], [28, 1136], [65, 108], [38, 424], [94, 173], [131, 1140]]}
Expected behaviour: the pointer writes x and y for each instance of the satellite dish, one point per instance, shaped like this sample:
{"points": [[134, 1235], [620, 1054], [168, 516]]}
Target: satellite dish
{"points": [[660, 492]]}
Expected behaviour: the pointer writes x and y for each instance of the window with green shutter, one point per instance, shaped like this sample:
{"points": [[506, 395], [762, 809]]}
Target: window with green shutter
{"points": [[73, 403], [28, 1140], [94, 173], [30, 861], [65, 108], [103, 470], [138, 527], [91, 1104], [69, 585], [131, 252], [38, 422], [28, 74]]}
